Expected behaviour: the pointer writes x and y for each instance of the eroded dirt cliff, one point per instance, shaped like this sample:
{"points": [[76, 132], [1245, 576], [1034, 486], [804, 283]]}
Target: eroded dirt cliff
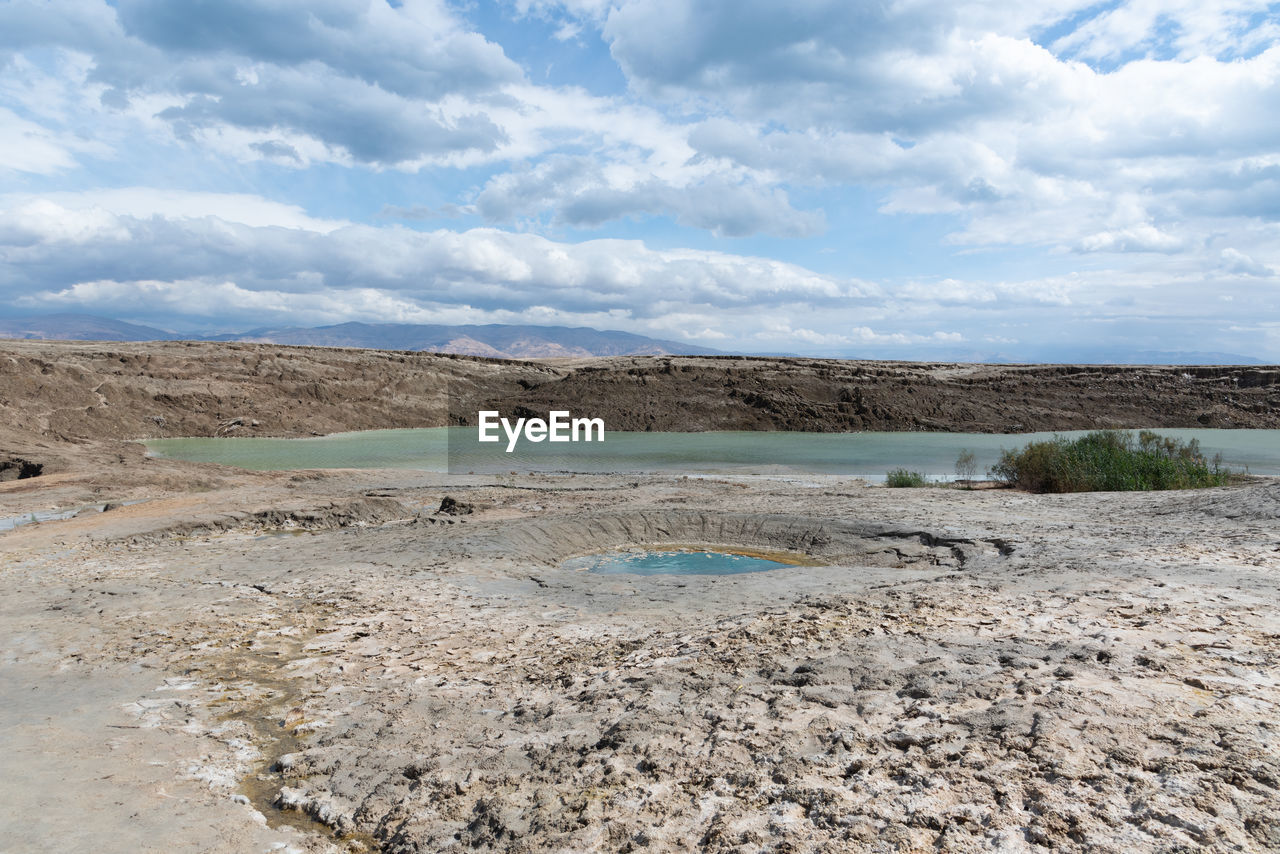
{"points": [[55, 395]]}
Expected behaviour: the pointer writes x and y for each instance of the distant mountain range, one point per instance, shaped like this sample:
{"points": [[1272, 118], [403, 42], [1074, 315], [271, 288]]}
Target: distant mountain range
{"points": [[535, 342], [494, 340], [79, 327]]}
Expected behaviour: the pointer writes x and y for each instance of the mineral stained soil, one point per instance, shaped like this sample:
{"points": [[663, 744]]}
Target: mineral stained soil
{"points": [[322, 662]]}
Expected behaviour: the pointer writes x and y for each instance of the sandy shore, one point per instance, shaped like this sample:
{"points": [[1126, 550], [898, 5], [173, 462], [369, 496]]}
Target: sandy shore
{"points": [[323, 663]]}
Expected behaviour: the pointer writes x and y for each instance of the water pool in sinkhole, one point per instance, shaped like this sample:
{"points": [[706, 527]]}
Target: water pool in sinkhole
{"points": [[678, 561]]}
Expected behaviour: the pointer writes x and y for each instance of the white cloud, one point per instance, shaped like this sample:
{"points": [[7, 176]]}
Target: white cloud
{"points": [[365, 80], [213, 300], [568, 31], [1235, 261], [1180, 28], [29, 147], [582, 10], [953, 109], [205, 271], [263, 247], [1142, 238], [140, 203], [948, 108], [583, 193], [1127, 153]]}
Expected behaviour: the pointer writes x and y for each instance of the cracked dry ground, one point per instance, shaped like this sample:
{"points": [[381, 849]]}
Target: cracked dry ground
{"points": [[1109, 685]]}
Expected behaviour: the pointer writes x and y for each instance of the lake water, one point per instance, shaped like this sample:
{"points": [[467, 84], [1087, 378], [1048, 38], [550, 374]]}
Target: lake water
{"points": [[455, 449], [672, 562]]}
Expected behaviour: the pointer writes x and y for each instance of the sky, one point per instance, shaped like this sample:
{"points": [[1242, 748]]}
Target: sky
{"points": [[916, 179]]}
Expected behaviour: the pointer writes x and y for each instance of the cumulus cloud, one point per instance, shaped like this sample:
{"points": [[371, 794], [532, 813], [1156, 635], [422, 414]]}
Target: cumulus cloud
{"points": [[892, 66], [1105, 159], [148, 203], [417, 48], [962, 109], [1142, 238], [363, 78], [583, 193], [363, 83], [370, 124], [1174, 28], [1235, 261], [173, 263], [109, 258], [29, 147]]}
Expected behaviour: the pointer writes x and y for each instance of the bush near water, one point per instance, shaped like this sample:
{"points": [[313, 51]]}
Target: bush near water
{"points": [[1110, 461], [902, 478]]}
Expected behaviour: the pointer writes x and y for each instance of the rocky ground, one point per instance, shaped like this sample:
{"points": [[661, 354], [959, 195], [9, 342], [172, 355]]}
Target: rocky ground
{"points": [[324, 662], [201, 658]]}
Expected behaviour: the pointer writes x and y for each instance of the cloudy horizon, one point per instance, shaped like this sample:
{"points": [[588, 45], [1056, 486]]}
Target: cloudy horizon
{"points": [[908, 179]]}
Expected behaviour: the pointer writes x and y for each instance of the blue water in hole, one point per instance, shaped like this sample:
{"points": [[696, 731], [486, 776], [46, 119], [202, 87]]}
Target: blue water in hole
{"points": [[672, 562]]}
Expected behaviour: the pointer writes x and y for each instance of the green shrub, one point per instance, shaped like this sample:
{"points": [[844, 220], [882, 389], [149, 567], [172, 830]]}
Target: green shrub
{"points": [[899, 478], [1110, 461], [966, 465]]}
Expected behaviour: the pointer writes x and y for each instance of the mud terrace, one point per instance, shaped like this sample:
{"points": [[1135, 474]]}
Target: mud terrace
{"points": [[325, 663]]}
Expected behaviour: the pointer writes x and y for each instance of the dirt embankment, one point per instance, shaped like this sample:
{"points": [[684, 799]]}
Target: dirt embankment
{"points": [[68, 405], [99, 390], [52, 394], [727, 393]]}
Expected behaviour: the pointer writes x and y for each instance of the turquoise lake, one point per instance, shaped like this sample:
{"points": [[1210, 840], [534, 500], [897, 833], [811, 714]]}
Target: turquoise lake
{"points": [[674, 562], [455, 449]]}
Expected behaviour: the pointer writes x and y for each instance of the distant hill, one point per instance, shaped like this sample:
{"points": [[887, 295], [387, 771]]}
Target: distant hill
{"points": [[493, 340], [501, 341], [79, 327]]}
